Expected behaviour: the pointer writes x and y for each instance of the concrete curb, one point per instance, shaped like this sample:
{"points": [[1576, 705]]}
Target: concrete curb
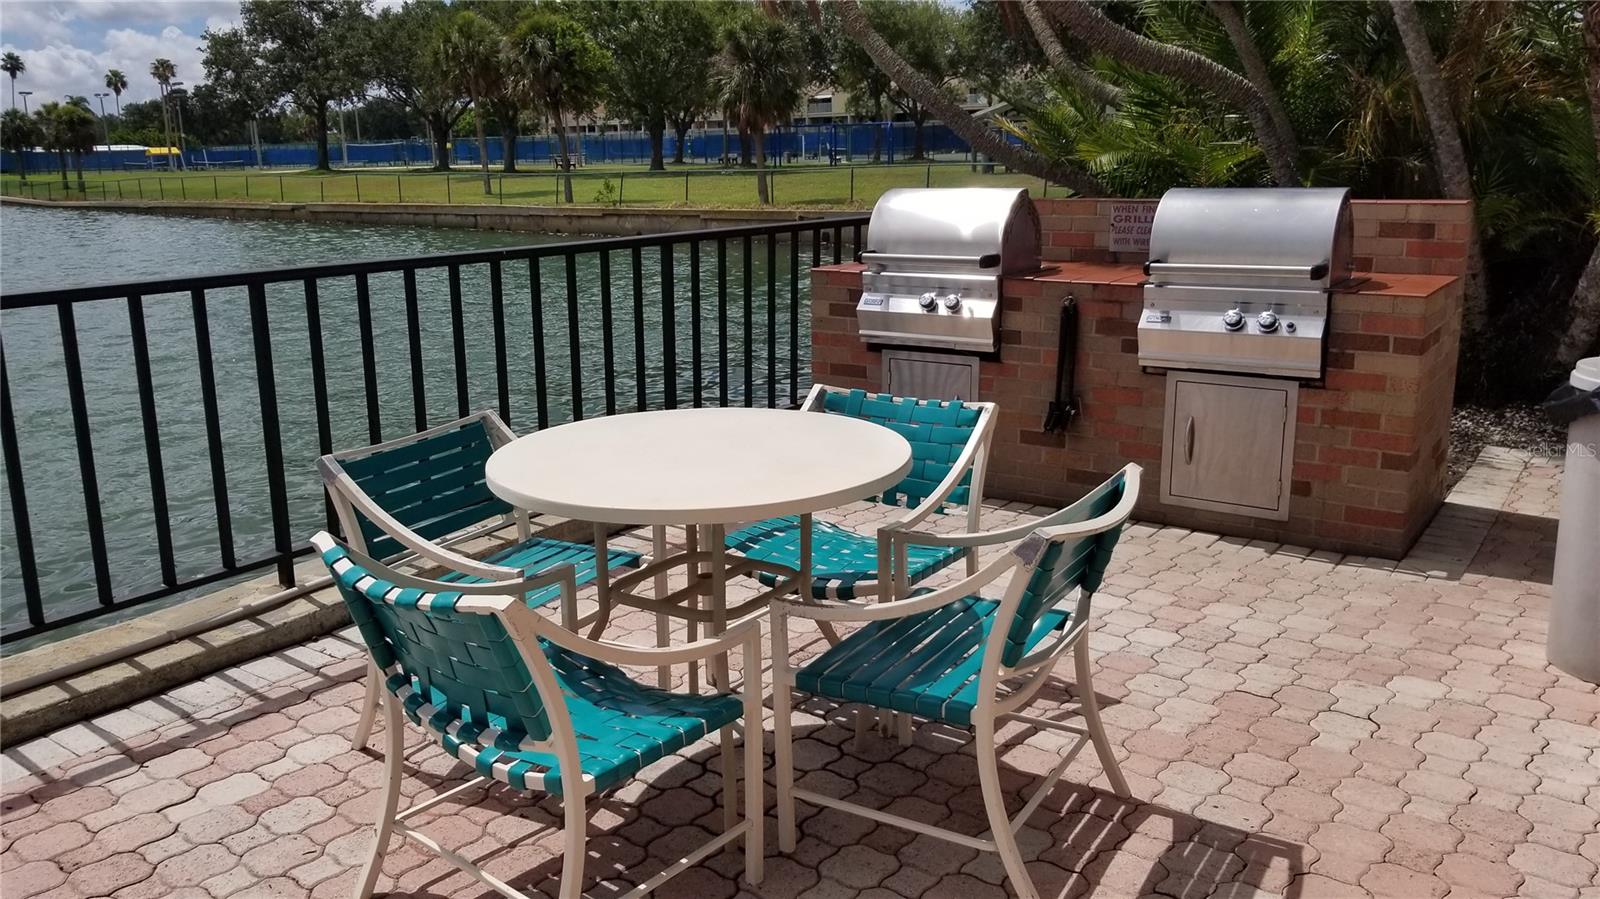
{"points": [[545, 219], [51, 707]]}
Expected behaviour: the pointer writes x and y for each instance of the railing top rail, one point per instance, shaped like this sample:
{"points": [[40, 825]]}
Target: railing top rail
{"points": [[119, 290]]}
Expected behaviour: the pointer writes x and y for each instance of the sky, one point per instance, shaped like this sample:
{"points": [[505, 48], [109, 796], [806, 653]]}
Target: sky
{"points": [[69, 44]]}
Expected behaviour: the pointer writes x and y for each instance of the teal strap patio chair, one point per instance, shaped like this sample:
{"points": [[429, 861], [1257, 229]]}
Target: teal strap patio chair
{"points": [[535, 707], [949, 448], [414, 498], [954, 656]]}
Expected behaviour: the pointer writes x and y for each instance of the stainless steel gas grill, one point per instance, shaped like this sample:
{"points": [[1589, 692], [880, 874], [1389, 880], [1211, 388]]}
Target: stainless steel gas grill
{"points": [[1239, 279], [938, 255]]}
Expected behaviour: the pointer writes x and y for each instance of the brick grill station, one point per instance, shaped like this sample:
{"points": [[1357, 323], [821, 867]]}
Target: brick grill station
{"points": [[1372, 440]]}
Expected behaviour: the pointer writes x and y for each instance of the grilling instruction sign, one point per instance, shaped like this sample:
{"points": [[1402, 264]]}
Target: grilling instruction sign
{"points": [[1130, 225]]}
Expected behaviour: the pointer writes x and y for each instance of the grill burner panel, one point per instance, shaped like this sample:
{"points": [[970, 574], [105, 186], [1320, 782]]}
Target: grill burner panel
{"points": [[933, 275], [1239, 279]]}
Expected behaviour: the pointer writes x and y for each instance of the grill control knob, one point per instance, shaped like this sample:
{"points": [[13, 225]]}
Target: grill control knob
{"points": [[1233, 319], [952, 301], [928, 300], [1267, 321]]}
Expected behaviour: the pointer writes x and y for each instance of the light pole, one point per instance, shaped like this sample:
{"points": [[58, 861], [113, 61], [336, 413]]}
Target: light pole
{"points": [[179, 96], [105, 124], [344, 138], [25, 95]]}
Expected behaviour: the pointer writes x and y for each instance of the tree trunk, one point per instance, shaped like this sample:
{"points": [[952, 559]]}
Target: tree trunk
{"points": [[682, 130], [1583, 316], [566, 161], [1095, 29], [61, 156], [758, 136], [1255, 69], [483, 144], [658, 139], [22, 164], [877, 139], [976, 133], [1449, 155], [1104, 93], [166, 130], [919, 148], [439, 128], [77, 165], [508, 145], [744, 147], [320, 117]]}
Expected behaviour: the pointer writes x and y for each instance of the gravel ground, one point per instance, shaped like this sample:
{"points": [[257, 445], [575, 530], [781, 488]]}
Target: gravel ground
{"points": [[1520, 426]]}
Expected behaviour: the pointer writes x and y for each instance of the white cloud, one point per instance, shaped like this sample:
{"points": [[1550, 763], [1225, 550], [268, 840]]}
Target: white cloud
{"points": [[68, 46]]}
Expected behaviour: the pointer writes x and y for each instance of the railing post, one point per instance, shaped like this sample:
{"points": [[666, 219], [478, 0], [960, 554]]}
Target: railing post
{"points": [[272, 439], [358, 187], [280, 188], [852, 183], [22, 528], [685, 188]]}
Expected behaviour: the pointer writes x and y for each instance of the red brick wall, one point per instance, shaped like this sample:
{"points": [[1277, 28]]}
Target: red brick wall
{"points": [[1372, 440]]}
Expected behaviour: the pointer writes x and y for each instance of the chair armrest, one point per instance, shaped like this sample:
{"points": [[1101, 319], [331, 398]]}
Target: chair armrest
{"points": [[963, 464], [832, 610], [514, 587], [651, 656]]}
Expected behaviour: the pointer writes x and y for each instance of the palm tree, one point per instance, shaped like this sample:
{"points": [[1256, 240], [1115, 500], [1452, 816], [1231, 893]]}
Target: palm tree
{"points": [[116, 83], [559, 70], [77, 135], [13, 65], [53, 135], [760, 79], [163, 71], [470, 46], [19, 134], [856, 26]]}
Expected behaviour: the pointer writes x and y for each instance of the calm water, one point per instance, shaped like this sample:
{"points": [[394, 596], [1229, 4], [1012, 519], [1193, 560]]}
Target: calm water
{"points": [[41, 248]]}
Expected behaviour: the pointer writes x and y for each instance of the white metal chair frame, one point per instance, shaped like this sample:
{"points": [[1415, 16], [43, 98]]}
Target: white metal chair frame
{"points": [[349, 500], [1003, 691], [503, 599], [895, 536]]}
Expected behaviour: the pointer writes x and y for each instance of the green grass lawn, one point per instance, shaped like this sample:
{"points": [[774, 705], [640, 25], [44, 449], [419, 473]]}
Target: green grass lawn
{"points": [[690, 185]]}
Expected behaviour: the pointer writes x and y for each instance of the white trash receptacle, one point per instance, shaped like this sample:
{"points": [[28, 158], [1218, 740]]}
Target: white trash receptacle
{"points": [[1574, 641]]}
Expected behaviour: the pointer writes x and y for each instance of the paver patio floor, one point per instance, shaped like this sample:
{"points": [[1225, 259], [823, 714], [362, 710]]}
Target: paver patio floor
{"points": [[1291, 723]]}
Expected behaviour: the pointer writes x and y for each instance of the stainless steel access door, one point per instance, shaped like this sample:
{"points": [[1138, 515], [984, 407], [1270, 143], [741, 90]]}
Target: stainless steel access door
{"points": [[1229, 444]]}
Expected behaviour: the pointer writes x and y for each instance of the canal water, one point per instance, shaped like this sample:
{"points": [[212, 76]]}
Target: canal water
{"points": [[45, 248]]}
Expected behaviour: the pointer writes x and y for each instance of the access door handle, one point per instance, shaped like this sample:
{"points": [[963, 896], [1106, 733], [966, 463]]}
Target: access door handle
{"points": [[1188, 442]]}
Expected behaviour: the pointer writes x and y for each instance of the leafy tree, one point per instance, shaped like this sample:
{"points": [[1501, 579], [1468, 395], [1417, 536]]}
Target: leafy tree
{"points": [[416, 79], [559, 70], [471, 51], [13, 65], [140, 123], [924, 34], [78, 133], [319, 52], [243, 85], [502, 106], [19, 133], [868, 87], [663, 55], [116, 83], [760, 79], [52, 136]]}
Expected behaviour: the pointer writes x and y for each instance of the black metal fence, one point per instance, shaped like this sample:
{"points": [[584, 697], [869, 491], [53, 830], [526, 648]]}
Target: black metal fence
{"points": [[730, 326]]}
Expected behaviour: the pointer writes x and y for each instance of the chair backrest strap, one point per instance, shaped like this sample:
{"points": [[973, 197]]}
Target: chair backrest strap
{"points": [[433, 485], [937, 430], [1057, 567], [463, 666]]}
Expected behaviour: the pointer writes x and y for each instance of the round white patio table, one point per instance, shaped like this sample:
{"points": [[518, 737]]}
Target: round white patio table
{"points": [[703, 469]]}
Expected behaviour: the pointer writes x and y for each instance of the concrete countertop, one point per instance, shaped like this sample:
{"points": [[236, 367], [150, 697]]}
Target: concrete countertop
{"points": [[1131, 274]]}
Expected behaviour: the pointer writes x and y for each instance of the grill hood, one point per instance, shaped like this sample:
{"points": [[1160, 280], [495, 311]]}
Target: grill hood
{"points": [[1295, 238], [992, 229]]}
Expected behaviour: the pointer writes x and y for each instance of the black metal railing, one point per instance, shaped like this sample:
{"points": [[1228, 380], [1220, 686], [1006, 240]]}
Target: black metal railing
{"points": [[232, 384]]}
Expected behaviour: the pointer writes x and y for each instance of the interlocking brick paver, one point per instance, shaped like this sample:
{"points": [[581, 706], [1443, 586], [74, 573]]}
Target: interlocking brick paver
{"points": [[1291, 723]]}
